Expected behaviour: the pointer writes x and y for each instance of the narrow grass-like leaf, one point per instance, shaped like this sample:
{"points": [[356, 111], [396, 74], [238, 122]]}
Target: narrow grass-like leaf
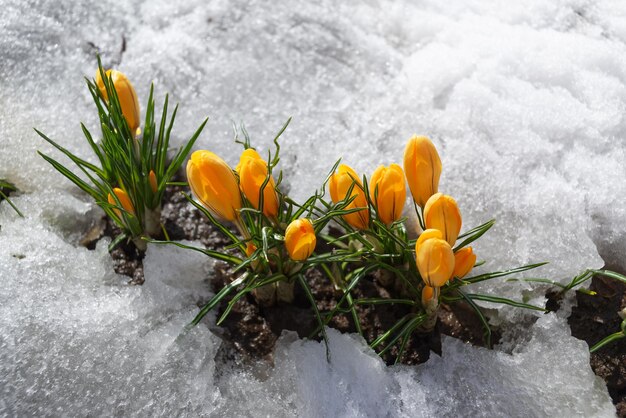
{"points": [[475, 233], [117, 241], [504, 301], [71, 176], [5, 197], [483, 320], [309, 295], [408, 328], [217, 298], [231, 259], [489, 276]]}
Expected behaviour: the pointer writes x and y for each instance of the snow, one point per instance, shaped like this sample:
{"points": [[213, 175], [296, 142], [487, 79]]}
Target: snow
{"points": [[525, 102]]}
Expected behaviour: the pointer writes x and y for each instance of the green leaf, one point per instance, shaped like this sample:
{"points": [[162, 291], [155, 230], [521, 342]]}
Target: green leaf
{"points": [[5, 197], [504, 301], [309, 295], [231, 259], [474, 234], [217, 298], [483, 320], [489, 276]]}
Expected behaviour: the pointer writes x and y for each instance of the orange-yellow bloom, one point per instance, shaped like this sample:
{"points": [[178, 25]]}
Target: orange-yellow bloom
{"points": [[427, 294], [300, 239], [126, 95], [245, 156], [213, 182], [427, 234], [153, 181], [464, 261], [339, 184], [122, 196], [250, 248], [422, 167], [252, 171], [435, 262], [441, 212], [388, 191]]}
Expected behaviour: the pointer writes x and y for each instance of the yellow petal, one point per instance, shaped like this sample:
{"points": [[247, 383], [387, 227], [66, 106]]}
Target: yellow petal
{"points": [[252, 175], [435, 262], [153, 181], [441, 212], [126, 95], [300, 239], [124, 200], [388, 191], [464, 261], [422, 167], [427, 234], [339, 184], [427, 294], [213, 182]]}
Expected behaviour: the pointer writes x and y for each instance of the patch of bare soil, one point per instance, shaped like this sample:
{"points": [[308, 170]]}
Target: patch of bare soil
{"points": [[594, 318]]}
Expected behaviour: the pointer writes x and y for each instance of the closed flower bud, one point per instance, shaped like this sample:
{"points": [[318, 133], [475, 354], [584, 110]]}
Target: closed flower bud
{"points": [[422, 167], [250, 249], [245, 156], [126, 95], [427, 294], [442, 213], [435, 262], [153, 181], [300, 239], [252, 174], [122, 196], [464, 261], [428, 234], [213, 182], [388, 191], [339, 184]]}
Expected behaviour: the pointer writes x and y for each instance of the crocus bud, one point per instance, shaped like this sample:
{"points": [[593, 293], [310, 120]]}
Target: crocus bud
{"points": [[122, 196], [428, 234], [126, 95], [388, 191], [252, 171], [435, 262], [213, 182], [339, 184], [246, 155], [300, 239], [250, 248], [464, 261], [153, 181], [442, 213], [427, 294], [422, 167]]}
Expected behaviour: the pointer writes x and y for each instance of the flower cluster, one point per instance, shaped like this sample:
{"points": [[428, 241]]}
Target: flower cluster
{"points": [[277, 245], [133, 169], [274, 240]]}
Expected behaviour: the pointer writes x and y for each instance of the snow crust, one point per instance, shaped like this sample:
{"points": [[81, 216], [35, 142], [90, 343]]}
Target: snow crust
{"points": [[525, 102]]}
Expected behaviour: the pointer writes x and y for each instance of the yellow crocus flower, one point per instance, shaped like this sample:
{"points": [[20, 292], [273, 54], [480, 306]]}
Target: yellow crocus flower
{"points": [[300, 239], [441, 212], [388, 191], [422, 167], [339, 184], [252, 171], [126, 95], [464, 261], [214, 183]]}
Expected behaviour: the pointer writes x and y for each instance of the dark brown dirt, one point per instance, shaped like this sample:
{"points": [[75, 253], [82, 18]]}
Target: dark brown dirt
{"points": [[594, 318], [253, 330]]}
